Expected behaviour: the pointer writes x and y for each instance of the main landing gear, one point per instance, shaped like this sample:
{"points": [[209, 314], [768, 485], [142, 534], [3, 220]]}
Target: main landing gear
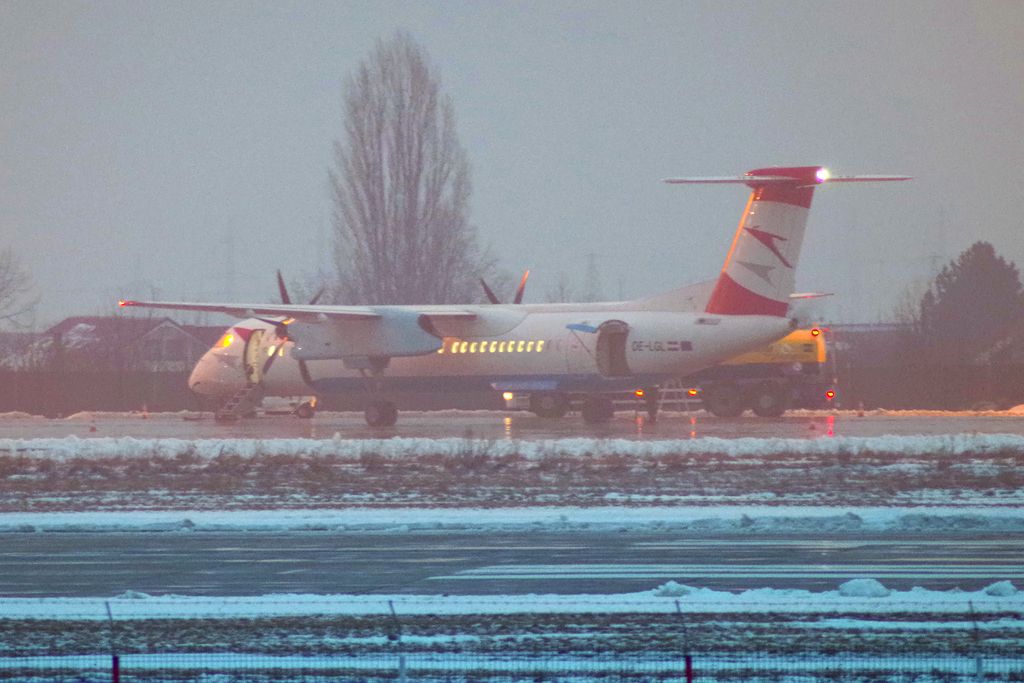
{"points": [[381, 414], [549, 404], [552, 404]]}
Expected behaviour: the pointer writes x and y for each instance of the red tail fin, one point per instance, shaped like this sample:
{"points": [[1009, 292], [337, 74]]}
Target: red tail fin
{"points": [[760, 270]]}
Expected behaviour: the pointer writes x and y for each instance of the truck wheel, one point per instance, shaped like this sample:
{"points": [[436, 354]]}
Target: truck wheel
{"points": [[770, 400], [597, 410], [305, 411], [549, 404], [723, 400]]}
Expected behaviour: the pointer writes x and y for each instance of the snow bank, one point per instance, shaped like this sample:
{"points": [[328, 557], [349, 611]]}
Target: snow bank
{"points": [[863, 588], [725, 519], [945, 444], [134, 605], [1001, 589]]}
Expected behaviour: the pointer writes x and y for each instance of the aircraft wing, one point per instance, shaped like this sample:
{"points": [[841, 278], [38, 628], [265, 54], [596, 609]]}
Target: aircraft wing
{"points": [[307, 313]]}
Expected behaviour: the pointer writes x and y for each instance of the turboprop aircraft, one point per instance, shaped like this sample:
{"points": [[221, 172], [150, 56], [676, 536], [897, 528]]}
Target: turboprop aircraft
{"points": [[552, 351]]}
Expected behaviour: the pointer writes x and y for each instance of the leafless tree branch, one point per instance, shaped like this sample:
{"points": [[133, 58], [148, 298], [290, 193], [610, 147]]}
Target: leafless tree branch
{"points": [[16, 298], [400, 187]]}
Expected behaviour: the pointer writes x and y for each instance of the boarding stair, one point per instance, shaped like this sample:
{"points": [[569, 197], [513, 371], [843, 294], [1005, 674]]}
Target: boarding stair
{"points": [[241, 402], [675, 394]]}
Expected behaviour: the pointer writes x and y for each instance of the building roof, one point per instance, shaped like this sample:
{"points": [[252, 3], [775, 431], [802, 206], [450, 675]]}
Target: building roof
{"points": [[89, 328], [208, 334]]}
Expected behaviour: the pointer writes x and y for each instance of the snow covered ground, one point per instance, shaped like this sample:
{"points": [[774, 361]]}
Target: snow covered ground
{"points": [[970, 471], [857, 596], [913, 485], [409, 448]]}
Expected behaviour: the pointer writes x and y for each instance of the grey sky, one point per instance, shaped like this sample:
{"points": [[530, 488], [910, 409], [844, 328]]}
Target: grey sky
{"points": [[140, 141]]}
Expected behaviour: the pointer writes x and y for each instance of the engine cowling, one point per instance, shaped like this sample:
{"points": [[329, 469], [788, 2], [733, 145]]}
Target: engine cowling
{"points": [[395, 333]]}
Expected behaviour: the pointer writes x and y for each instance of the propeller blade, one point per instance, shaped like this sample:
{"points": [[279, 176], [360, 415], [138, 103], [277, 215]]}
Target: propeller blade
{"points": [[316, 297], [270, 361], [280, 327], [490, 294], [522, 287], [285, 299]]}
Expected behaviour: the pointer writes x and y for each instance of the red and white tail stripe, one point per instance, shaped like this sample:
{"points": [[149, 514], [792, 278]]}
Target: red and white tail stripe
{"points": [[760, 269]]}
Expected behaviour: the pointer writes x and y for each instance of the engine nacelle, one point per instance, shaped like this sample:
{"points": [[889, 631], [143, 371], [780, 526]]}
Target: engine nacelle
{"points": [[395, 333]]}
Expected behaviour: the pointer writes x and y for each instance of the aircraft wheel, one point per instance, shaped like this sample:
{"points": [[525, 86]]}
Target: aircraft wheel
{"points": [[597, 409], [381, 414], [305, 411], [770, 400], [723, 400], [549, 404]]}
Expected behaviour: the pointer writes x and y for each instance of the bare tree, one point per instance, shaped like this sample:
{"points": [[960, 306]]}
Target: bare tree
{"points": [[562, 292], [401, 187], [15, 289]]}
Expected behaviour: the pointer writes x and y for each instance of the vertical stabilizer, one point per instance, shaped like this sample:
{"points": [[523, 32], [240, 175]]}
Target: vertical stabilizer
{"points": [[760, 270]]}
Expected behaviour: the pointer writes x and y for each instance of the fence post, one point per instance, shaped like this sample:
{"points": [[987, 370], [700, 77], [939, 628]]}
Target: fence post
{"points": [[115, 660], [979, 668], [687, 657], [398, 637]]}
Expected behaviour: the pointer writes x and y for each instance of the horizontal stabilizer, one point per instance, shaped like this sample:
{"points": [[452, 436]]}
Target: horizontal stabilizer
{"points": [[822, 178]]}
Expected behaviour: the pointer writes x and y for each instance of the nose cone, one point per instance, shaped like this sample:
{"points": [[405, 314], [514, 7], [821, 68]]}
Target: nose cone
{"points": [[217, 375]]}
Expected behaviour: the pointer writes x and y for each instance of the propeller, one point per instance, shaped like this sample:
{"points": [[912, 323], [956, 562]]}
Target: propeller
{"points": [[520, 290], [281, 326], [285, 299], [522, 287], [491, 296]]}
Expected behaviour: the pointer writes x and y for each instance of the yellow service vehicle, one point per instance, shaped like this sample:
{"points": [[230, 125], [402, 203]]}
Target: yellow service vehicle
{"points": [[791, 372]]}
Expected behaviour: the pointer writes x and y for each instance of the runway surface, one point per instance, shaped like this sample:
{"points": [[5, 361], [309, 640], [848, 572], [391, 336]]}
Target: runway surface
{"points": [[509, 425], [253, 563]]}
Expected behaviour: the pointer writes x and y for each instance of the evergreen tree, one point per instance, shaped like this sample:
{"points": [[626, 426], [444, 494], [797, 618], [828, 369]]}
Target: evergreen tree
{"points": [[973, 302]]}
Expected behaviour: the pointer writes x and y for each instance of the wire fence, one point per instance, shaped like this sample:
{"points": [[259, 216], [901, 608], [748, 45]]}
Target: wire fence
{"points": [[213, 641], [506, 668]]}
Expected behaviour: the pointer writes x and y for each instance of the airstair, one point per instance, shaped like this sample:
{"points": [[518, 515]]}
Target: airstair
{"points": [[675, 395], [241, 402]]}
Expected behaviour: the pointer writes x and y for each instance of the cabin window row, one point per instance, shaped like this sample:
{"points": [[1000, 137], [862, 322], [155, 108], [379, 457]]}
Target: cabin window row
{"points": [[494, 346]]}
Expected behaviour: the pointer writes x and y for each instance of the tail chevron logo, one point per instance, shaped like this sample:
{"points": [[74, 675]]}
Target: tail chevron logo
{"points": [[768, 239]]}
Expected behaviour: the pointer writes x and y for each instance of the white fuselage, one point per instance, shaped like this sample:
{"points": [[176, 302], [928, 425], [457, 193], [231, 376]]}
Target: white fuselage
{"points": [[579, 348]]}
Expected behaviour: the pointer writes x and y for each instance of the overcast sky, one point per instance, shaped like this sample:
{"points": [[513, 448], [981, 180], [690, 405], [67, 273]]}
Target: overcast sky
{"points": [[160, 147]]}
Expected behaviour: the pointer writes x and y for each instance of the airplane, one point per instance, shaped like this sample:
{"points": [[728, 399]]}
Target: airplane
{"points": [[552, 351]]}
